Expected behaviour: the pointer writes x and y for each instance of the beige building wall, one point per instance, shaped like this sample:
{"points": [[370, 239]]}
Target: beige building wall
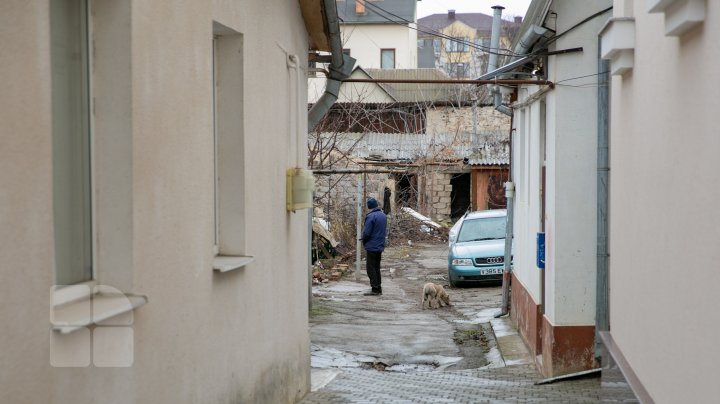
{"points": [[664, 188], [475, 58], [204, 336]]}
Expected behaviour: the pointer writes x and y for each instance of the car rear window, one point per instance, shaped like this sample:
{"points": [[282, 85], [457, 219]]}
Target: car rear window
{"points": [[490, 228]]}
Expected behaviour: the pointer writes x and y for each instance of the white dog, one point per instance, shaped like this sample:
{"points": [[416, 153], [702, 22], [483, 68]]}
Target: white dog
{"points": [[434, 296]]}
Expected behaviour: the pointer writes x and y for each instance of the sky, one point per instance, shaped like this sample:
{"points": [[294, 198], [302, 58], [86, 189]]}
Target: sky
{"points": [[512, 7]]}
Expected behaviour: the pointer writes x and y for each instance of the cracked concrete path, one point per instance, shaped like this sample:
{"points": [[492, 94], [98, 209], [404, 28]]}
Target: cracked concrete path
{"points": [[387, 349], [392, 330]]}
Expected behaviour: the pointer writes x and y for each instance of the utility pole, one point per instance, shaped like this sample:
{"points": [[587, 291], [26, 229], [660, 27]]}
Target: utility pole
{"points": [[359, 225]]}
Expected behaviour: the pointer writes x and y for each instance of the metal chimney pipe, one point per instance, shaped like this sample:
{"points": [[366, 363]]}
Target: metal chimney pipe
{"points": [[492, 60], [495, 37]]}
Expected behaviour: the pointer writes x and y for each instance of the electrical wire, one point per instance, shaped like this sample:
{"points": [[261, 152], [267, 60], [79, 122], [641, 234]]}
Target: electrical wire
{"points": [[580, 77], [429, 31], [505, 52], [595, 84], [558, 36]]}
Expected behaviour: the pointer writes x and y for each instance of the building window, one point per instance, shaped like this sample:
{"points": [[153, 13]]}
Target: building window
{"points": [[72, 162], [457, 45], [457, 70], [436, 46], [229, 141], [483, 44], [387, 58]]}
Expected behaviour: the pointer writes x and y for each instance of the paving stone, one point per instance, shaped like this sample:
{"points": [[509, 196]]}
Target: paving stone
{"points": [[511, 384]]}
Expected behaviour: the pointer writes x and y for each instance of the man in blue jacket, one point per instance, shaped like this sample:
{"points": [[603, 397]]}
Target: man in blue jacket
{"points": [[373, 238]]}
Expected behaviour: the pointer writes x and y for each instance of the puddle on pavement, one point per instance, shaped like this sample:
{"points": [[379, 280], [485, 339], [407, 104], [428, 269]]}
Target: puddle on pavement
{"points": [[442, 364], [339, 292], [321, 357], [482, 316], [410, 368], [328, 358], [338, 288]]}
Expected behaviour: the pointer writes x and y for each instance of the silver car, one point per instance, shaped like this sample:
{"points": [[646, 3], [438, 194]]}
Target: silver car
{"points": [[477, 246]]}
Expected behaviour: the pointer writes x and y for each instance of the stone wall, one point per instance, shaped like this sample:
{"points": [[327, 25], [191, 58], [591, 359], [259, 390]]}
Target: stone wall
{"points": [[460, 120], [439, 191]]}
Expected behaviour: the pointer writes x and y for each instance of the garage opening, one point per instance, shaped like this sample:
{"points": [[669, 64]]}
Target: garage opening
{"points": [[460, 195]]}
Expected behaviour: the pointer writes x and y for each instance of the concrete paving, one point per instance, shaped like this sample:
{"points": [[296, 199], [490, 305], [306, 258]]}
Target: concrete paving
{"points": [[387, 349]]}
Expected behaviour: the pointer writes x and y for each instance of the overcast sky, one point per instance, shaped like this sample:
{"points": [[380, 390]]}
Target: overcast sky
{"points": [[512, 7]]}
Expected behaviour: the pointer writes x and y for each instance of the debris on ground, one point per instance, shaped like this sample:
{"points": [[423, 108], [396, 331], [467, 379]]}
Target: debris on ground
{"points": [[321, 274], [409, 227], [377, 366], [424, 219], [336, 236], [323, 240]]}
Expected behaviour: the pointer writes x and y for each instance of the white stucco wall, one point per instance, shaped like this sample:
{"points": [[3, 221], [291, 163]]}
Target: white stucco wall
{"points": [[664, 188], [571, 176], [366, 40], [572, 171], [203, 337], [527, 166]]}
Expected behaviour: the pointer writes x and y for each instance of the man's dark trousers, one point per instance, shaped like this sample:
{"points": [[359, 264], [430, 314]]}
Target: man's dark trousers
{"points": [[373, 270]]}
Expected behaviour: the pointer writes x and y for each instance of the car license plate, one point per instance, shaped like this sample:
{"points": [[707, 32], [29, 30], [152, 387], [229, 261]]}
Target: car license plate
{"points": [[491, 271]]}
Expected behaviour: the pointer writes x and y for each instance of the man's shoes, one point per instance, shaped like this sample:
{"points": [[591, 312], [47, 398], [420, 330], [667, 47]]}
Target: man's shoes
{"points": [[373, 293]]}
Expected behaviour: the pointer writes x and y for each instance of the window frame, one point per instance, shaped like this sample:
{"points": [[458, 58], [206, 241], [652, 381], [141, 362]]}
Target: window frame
{"points": [[88, 170], [383, 52], [229, 184]]}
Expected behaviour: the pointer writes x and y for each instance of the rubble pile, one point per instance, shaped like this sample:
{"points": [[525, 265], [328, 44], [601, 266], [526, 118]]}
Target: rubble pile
{"points": [[321, 274], [404, 227]]}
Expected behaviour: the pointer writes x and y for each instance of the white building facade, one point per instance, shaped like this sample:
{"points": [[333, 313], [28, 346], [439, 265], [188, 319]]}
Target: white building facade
{"points": [[380, 34], [377, 34], [554, 148], [381, 46], [145, 148], [664, 188]]}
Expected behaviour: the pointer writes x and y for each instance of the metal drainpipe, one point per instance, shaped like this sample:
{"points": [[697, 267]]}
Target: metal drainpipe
{"points": [[507, 270], [525, 43], [509, 186], [602, 315], [341, 66]]}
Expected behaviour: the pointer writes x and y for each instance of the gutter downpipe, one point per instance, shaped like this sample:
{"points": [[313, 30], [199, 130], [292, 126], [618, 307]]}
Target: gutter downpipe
{"points": [[341, 66], [525, 43], [603, 176], [509, 186]]}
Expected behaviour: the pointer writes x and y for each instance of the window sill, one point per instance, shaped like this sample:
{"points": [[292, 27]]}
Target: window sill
{"points": [[226, 263], [104, 304], [680, 15], [617, 44]]}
